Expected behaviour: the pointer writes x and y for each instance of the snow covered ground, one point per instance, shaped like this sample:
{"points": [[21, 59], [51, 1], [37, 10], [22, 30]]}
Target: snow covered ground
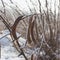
{"points": [[8, 52]]}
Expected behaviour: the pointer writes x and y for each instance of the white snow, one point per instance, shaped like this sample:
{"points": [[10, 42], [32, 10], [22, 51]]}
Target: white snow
{"points": [[8, 52]]}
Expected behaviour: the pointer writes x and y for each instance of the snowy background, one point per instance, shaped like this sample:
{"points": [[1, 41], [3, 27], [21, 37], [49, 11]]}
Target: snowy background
{"points": [[8, 52]]}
